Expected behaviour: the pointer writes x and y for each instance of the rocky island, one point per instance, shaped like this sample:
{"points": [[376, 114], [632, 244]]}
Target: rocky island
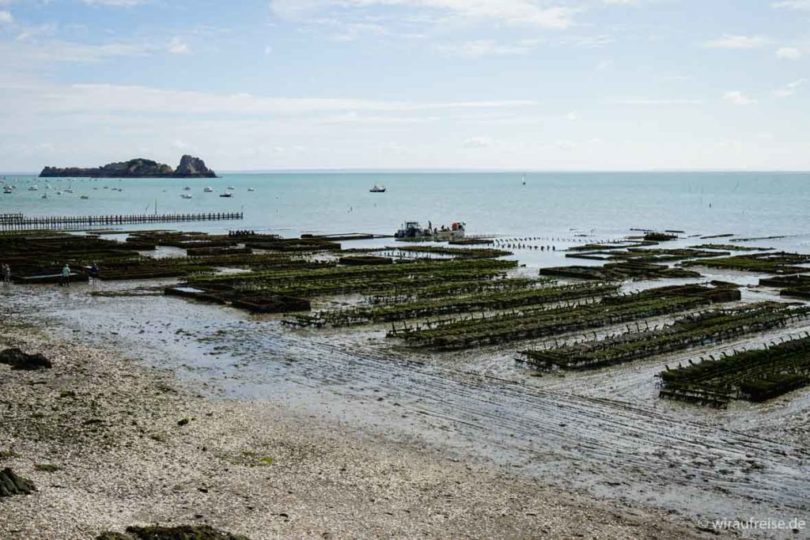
{"points": [[189, 167]]}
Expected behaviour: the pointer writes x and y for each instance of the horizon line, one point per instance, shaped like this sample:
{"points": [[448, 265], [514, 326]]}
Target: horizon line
{"points": [[440, 170]]}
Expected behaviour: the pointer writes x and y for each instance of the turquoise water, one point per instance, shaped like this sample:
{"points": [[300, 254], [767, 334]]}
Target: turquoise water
{"points": [[749, 204]]}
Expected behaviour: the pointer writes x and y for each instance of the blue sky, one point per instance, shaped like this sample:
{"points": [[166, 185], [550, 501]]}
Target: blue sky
{"points": [[402, 84]]}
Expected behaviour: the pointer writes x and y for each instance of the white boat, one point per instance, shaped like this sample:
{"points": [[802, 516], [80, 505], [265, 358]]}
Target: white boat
{"points": [[445, 234], [226, 194], [251, 189], [209, 189], [377, 189], [69, 190], [33, 188], [524, 179], [231, 188], [7, 190], [185, 196]]}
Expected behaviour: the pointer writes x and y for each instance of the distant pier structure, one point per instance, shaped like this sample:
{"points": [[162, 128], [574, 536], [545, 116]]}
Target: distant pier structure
{"points": [[18, 222]]}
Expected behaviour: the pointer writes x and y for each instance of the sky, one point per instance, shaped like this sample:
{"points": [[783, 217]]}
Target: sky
{"points": [[407, 84]]}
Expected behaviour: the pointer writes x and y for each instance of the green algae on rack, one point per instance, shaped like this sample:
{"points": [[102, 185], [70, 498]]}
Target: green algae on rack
{"points": [[521, 325], [753, 375], [709, 327]]}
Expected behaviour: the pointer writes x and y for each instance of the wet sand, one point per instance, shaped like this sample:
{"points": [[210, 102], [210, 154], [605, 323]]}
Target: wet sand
{"points": [[133, 445]]}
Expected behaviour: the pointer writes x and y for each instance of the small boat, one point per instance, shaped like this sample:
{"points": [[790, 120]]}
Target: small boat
{"points": [[226, 194], [231, 188], [209, 189], [69, 190], [454, 232], [377, 189], [7, 190], [84, 197], [58, 192], [251, 189], [524, 179], [185, 196], [44, 196], [187, 188], [33, 188]]}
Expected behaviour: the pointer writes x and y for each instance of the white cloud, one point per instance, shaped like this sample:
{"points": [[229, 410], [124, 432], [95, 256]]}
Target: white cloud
{"points": [[115, 3], [736, 42], [483, 47], [655, 102], [513, 12], [621, 2], [104, 98], [793, 4], [788, 53], [789, 89], [22, 53], [478, 142], [178, 46], [738, 98], [356, 30], [6, 17], [604, 65], [565, 145]]}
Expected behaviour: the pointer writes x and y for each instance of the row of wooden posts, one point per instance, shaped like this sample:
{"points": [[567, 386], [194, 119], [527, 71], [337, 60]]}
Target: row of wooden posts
{"points": [[20, 222]]}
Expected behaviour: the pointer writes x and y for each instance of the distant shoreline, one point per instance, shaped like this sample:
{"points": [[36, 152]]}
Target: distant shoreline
{"points": [[463, 171]]}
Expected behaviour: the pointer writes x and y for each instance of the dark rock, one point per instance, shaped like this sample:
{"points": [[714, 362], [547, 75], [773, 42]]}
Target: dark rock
{"points": [[183, 532], [190, 167], [193, 167], [11, 484], [20, 360], [134, 168]]}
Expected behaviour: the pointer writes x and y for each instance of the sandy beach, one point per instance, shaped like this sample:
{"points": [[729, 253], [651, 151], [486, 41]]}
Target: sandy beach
{"points": [[131, 445]]}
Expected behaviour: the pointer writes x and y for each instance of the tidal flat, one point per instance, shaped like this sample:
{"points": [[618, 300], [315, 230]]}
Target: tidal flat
{"points": [[458, 395]]}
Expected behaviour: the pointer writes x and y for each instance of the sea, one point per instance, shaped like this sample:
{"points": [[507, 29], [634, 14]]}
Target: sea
{"points": [[551, 209]]}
